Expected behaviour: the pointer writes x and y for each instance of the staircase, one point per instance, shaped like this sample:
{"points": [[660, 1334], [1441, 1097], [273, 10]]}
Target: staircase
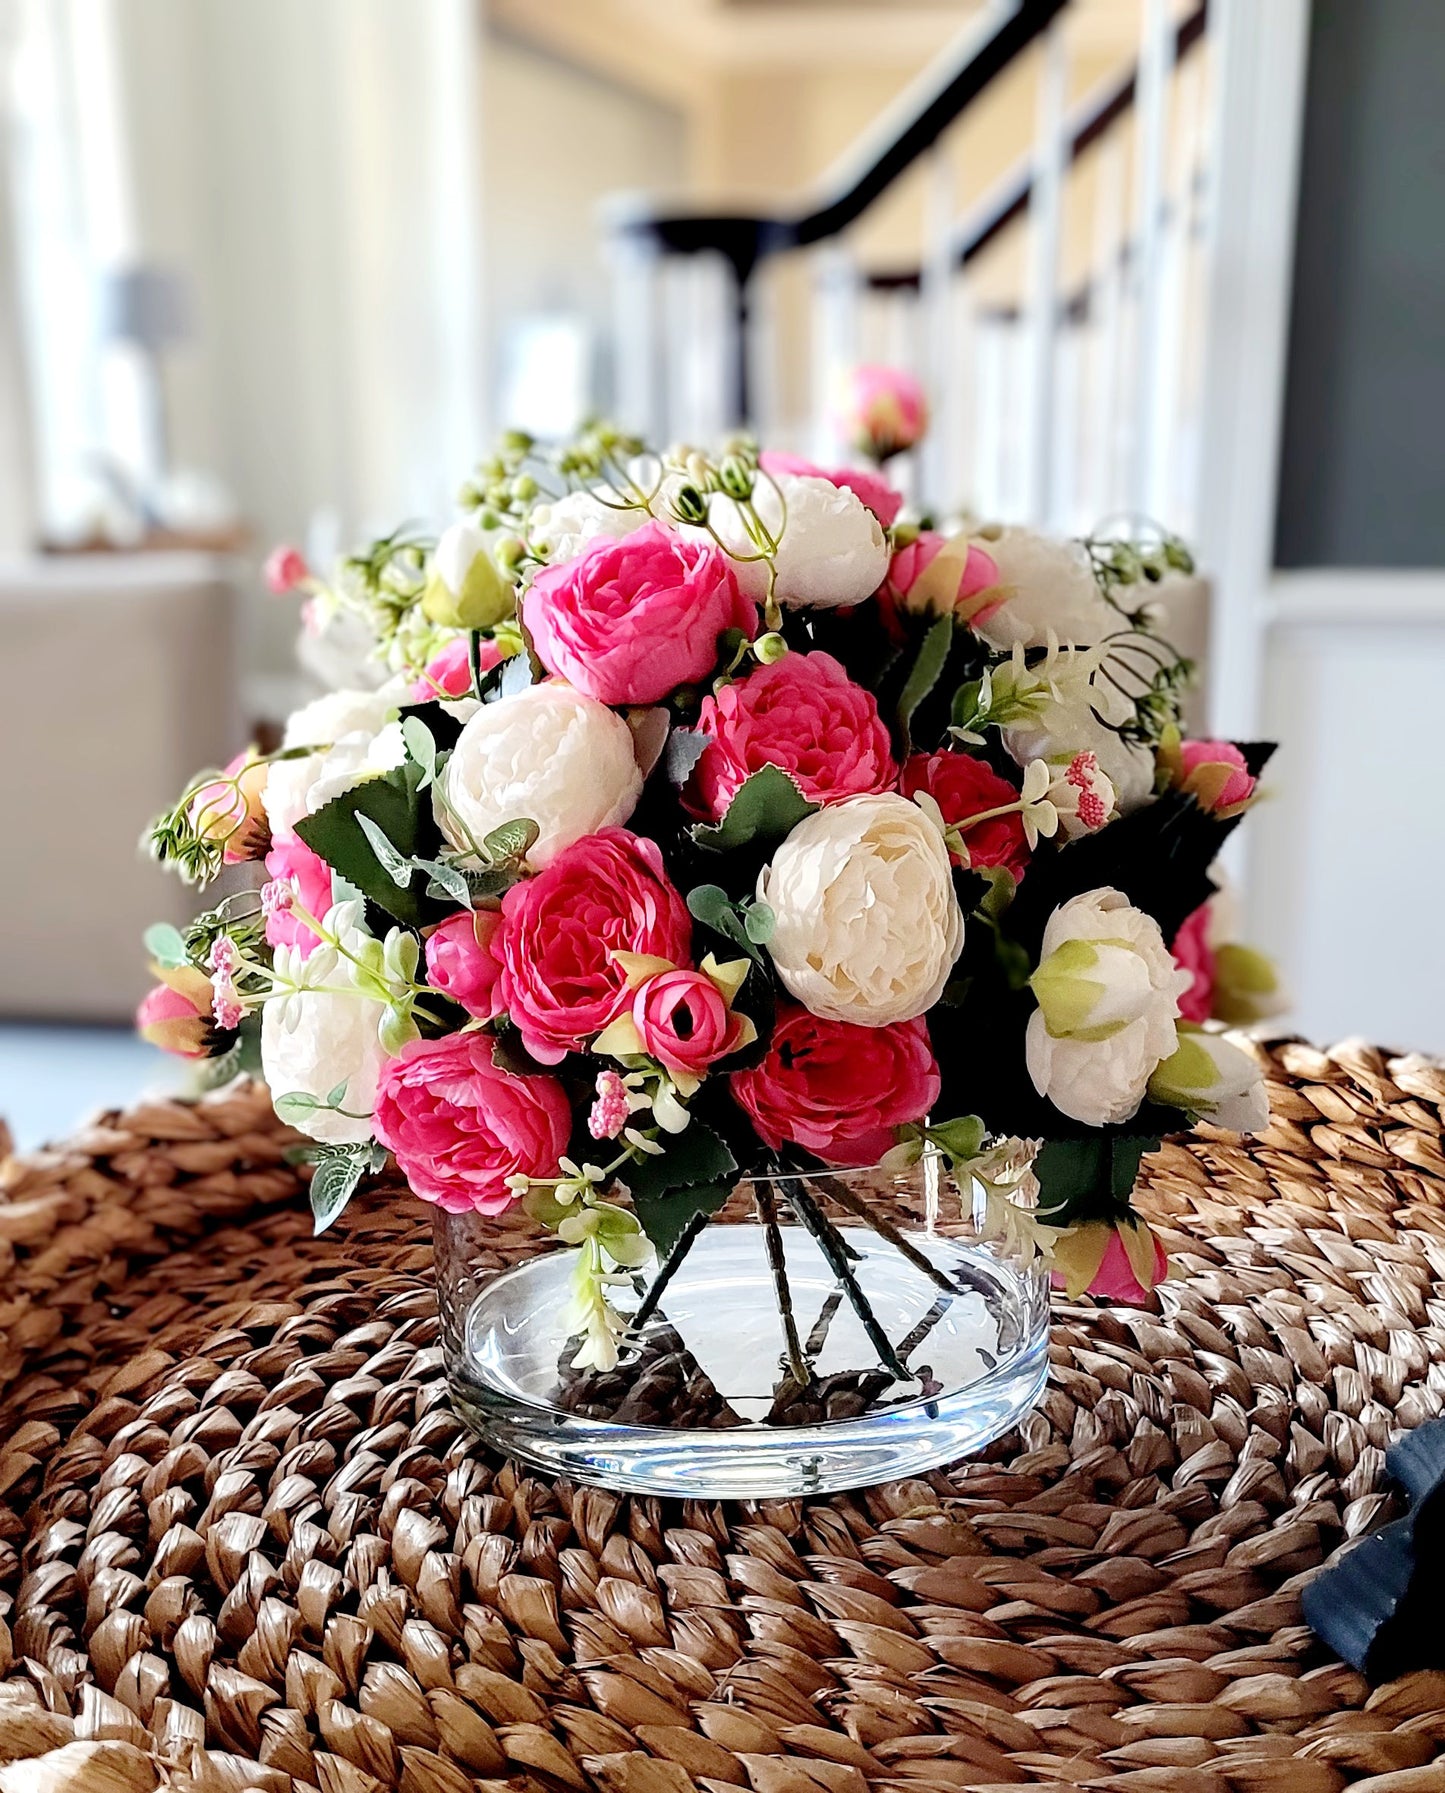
{"points": [[1057, 325]]}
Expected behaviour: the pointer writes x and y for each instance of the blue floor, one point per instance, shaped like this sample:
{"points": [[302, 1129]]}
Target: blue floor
{"points": [[54, 1078]]}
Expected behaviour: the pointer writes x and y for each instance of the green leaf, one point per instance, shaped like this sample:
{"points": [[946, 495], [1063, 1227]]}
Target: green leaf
{"points": [[399, 870], [421, 746], [445, 881], [402, 818], [927, 670], [512, 842], [961, 1139], [333, 1183], [758, 923], [715, 909], [292, 1105], [337, 1095], [694, 1175], [166, 945], [767, 807], [1088, 1177]]}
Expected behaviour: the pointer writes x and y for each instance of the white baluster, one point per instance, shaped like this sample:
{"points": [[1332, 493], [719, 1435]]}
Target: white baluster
{"points": [[936, 459], [837, 304], [1151, 105], [636, 335], [1045, 220], [1106, 328]]}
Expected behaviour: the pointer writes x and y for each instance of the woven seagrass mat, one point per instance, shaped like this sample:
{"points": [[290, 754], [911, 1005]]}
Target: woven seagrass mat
{"points": [[244, 1542]]}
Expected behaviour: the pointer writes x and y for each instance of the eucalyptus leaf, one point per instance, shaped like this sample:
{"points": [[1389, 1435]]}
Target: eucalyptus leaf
{"points": [[758, 923], [166, 945]]}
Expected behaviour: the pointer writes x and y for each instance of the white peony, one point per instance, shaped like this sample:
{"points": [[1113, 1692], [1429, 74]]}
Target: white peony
{"points": [[866, 924], [1108, 992], [571, 525], [323, 1033], [341, 727], [1077, 720], [1208, 1074], [833, 550], [1046, 584], [549, 754]]}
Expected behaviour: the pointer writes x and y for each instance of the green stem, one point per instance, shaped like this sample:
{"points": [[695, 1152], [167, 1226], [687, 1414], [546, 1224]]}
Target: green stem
{"points": [[685, 1242], [835, 1252], [778, 1264]]}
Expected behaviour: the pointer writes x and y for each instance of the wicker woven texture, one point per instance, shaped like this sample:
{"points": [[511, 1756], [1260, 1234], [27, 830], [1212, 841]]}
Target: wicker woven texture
{"points": [[244, 1541]]}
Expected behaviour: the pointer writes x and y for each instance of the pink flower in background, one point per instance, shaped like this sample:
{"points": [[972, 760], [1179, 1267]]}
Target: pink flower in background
{"points": [[292, 862], [1193, 953], [449, 673], [607, 893], [1216, 772], [836, 1089], [629, 621], [975, 572], [460, 1125], [963, 786], [684, 1021], [176, 1014], [803, 714], [461, 961], [230, 809], [285, 568], [883, 410], [872, 488]]}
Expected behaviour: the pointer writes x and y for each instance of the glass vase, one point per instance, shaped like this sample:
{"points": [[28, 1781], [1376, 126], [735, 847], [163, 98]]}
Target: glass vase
{"points": [[823, 1331]]}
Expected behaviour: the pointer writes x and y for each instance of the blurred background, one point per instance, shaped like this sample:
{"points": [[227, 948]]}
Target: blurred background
{"points": [[279, 270]]}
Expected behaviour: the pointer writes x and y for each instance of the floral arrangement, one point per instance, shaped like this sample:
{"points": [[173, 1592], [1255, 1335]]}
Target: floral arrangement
{"points": [[694, 815]]}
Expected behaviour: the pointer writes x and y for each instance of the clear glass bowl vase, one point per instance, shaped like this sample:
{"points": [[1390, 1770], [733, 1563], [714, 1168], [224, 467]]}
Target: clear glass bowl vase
{"points": [[823, 1331]]}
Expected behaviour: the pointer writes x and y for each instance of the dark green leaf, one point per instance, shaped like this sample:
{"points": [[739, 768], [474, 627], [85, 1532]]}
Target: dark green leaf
{"points": [[663, 1217], [693, 1175], [927, 669], [1089, 1177], [767, 807], [403, 818], [166, 945]]}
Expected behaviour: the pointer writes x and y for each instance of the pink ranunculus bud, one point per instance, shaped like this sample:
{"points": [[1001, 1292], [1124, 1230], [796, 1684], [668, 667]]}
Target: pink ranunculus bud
{"points": [[1217, 775], [449, 672], [628, 622], [1116, 1278], [285, 568], [176, 1014], [872, 488], [837, 1089], [883, 411], [970, 570], [683, 1021], [803, 714], [462, 963], [460, 1125], [605, 894], [231, 809], [1193, 953]]}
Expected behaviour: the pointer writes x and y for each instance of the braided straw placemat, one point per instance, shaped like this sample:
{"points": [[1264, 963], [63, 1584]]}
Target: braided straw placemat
{"points": [[244, 1542]]}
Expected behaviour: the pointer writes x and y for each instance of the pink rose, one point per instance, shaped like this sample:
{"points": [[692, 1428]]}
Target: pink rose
{"points": [[872, 488], [803, 714], [176, 1014], [606, 893], [1193, 953], [461, 961], [883, 411], [449, 673], [1215, 771], [684, 1021], [978, 574], [229, 809], [460, 1125], [629, 621], [291, 860], [963, 786], [836, 1089], [285, 568]]}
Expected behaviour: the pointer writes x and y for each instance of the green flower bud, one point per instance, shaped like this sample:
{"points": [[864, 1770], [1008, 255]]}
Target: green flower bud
{"points": [[510, 550], [736, 478], [524, 488], [464, 590], [1246, 986], [688, 505], [769, 648], [517, 442]]}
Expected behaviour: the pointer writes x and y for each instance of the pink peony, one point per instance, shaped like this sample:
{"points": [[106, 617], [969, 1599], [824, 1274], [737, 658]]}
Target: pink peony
{"points": [[233, 812], [963, 786], [1215, 771], [176, 1014], [606, 893], [285, 569], [461, 1125], [449, 673], [803, 714], [836, 1089], [291, 859], [883, 411], [629, 621], [461, 961], [901, 590], [1193, 953], [684, 1021], [872, 488]]}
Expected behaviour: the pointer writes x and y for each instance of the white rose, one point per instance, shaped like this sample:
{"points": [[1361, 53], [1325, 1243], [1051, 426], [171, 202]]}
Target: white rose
{"points": [[1108, 992], [1057, 728], [577, 520], [549, 754], [866, 923], [341, 726], [1045, 584], [833, 550], [1209, 1075]]}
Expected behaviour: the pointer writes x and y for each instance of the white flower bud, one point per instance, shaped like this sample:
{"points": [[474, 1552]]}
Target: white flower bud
{"points": [[1207, 1074]]}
